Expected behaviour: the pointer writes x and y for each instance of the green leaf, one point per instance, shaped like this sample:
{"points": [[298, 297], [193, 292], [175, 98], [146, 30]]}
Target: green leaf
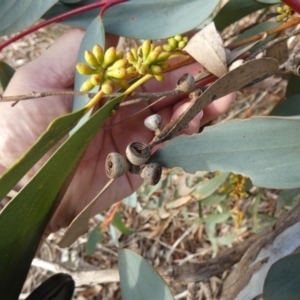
{"points": [[70, 1], [59, 287], [283, 279], [18, 15], [6, 73], [207, 188], [156, 19], [288, 107], [82, 20], [131, 200], [55, 132], [287, 198], [139, 280], [266, 149], [226, 240], [119, 224], [214, 218], [94, 238], [114, 235], [24, 219], [235, 10], [269, 1], [94, 35], [136, 16], [214, 199], [262, 27], [293, 87]]}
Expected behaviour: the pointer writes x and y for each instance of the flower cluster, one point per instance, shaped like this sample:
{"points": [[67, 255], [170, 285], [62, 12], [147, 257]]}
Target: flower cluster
{"points": [[176, 42], [148, 59], [106, 69], [284, 13], [109, 68]]}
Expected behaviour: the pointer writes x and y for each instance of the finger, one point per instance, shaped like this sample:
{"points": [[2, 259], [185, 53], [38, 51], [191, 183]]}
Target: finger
{"points": [[194, 124], [217, 108], [56, 67]]}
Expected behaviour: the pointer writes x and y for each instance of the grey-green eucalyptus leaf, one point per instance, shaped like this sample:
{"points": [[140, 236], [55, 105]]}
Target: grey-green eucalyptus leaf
{"points": [[18, 15], [6, 73], [287, 107], [207, 188], [24, 219], [269, 1], [266, 149], [234, 10], [139, 280], [282, 281], [156, 19], [94, 35]]}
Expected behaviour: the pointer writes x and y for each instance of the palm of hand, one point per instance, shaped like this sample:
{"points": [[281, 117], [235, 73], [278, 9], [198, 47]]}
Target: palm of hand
{"points": [[24, 123]]}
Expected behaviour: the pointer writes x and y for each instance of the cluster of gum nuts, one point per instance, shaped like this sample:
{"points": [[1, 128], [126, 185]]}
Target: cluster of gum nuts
{"points": [[137, 153]]}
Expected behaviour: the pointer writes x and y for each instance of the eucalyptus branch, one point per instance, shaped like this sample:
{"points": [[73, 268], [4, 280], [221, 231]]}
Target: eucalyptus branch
{"points": [[262, 34], [104, 4], [272, 43], [36, 95]]}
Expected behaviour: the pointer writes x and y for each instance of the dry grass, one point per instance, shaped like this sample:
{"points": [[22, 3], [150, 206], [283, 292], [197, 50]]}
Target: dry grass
{"points": [[162, 233]]}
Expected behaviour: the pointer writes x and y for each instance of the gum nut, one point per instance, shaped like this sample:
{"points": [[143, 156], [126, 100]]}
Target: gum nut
{"points": [[163, 56], [186, 83], [119, 73], [160, 77], [120, 63], [156, 70], [153, 122], [146, 48], [107, 87], [178, 37]]}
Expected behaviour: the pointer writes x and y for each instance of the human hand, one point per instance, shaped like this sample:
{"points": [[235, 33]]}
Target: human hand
{"points": [[24, 123]]}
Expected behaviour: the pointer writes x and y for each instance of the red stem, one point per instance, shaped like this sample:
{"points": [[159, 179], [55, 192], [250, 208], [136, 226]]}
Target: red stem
{"points": [[105, 3], [294, 4]]}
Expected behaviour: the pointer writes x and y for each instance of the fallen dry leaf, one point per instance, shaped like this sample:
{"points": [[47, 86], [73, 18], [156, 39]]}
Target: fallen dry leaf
{"points": [[206, 47]]}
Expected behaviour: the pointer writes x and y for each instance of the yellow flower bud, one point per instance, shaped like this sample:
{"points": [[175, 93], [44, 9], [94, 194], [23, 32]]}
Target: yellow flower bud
{"points": [[119, 73], [107, 87], [178, 37], [167, 47], [109, 57], [96, 79], [181, 45], [158, 49], [185, 39], [173, 43], [99, 53], [131, 69], [130, 57], [134, 53], [152, 57], [146, 48], [143, 70], [120, 63], [119, 54], [160, 77], [163, 56], [86, 86], [84, 69], [123, 83], [164, 65], [90, 58], [156, 70]]}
